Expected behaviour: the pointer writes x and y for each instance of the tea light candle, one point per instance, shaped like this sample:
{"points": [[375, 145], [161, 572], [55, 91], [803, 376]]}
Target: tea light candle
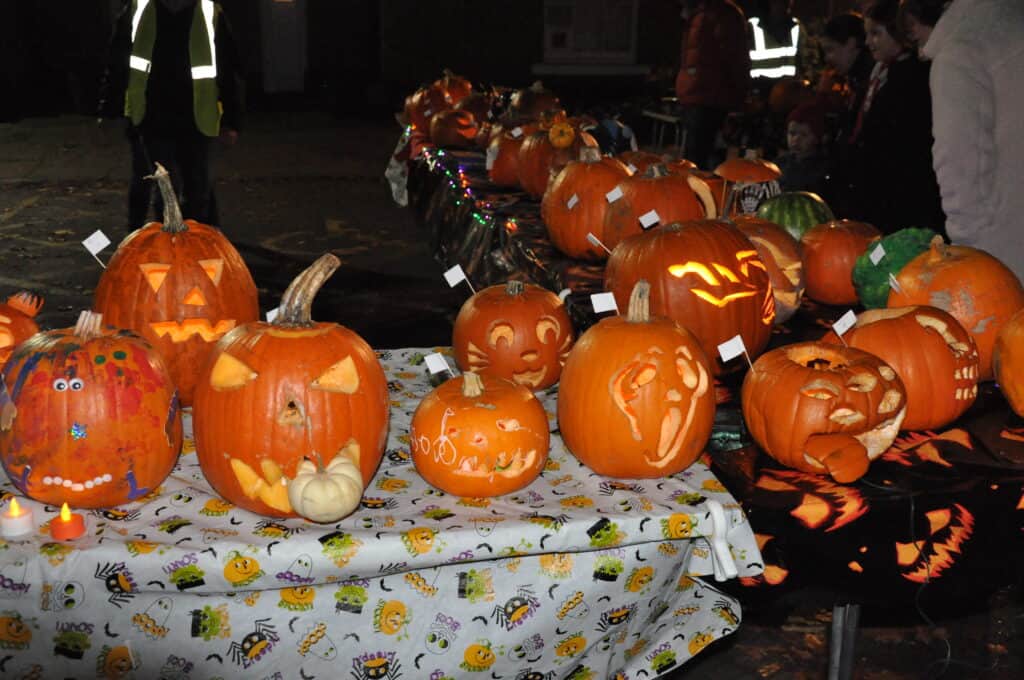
{"points": [[16, 521], [68, 526]]}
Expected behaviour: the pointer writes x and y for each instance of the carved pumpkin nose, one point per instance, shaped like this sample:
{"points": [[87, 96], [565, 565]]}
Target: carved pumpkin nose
{"points": [[292, 413], [194, 297]]}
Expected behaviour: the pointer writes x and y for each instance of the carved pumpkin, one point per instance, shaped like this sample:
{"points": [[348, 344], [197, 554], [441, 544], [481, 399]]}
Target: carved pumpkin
{"points": [[181, 285], [546, 152], [16, 321], [88, 416], [456, 87], [822, 408], [479, 437], [1008, 362], [636, 397], [675, 198], [706, 275], [531, 102], [781, 254], [830, 251], [421, 106], [519, 332], [931, 352], [503, 155], [305, 390], [972, 285], [749, 182], [574, 203], [453, 129], [477, 103]]}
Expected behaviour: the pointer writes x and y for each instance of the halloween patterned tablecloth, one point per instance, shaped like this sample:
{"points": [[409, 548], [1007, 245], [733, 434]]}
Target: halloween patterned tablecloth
{"points": [[576, 576]]}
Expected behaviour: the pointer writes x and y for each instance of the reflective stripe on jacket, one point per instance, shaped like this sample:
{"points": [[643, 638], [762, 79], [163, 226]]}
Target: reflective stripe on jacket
{"points": [[773, 62]]}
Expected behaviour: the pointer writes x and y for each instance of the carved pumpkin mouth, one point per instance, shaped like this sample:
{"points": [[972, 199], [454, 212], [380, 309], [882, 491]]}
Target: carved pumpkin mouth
{"points": [[86, 485], [504, 465], [180, 331], [530, 378], [271, 487]]}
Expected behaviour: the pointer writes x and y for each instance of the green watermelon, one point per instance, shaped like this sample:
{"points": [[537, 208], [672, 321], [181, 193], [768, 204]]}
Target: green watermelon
{"points": [[871, 280], [797, 211]]}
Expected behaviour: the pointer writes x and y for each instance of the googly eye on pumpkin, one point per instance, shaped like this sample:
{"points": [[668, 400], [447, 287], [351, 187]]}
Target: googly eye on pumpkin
{"points": [[60, 385], [76, 384]]}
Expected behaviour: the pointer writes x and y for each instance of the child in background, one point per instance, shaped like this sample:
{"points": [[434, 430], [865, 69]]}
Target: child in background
{"points": [[803, 165]]}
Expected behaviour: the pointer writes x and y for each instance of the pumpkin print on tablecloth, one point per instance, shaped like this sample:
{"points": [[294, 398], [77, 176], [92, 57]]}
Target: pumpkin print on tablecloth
{"points": [[17, 321], [520, 332], [315, 401], [822, 408], [479, 437], [181, 285], [88, 416]]}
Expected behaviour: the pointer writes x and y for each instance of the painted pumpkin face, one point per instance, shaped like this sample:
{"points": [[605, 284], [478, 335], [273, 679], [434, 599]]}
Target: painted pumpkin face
{"points": [[478, 657], [13, 632], [519, 332], [479, 437], [88, 416], [241, 570], [390, 616], [16, 322], [823, 409]]}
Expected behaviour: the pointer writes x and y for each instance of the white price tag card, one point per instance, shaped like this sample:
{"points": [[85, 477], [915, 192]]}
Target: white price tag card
{"points": [[436, 363], [564, 293], [272, 314], [455, 275], [517, 132], [845, 322], [96, 242], [731, 348], [604, 302], [492, 155], [649, 219], [573, 200], [877, 254], [632, 168], [614, 195], [894, 284]]}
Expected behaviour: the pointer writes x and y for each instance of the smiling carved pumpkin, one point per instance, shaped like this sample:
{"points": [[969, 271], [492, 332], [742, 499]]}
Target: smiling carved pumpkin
{"points": [[181, 285], [16, 322]]}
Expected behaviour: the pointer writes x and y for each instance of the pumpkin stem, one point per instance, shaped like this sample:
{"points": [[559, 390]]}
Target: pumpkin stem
{"points": [[172, 211], [655, 170], [514, 288], [472, 385], [939, 248], [297, 301], [639, 310], [89, 325]]}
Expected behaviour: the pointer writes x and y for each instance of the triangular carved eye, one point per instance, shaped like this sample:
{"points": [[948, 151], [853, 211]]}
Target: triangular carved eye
{"points": [[341, 377], [213, 268], [155, 273], [230, 373]]}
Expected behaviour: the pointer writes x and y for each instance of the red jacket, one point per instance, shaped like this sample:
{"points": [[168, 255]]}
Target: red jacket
{"points": [[715, 62]]}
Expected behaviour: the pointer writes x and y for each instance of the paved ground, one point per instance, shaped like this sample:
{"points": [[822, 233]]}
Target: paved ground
{"points": [[299, 184]]}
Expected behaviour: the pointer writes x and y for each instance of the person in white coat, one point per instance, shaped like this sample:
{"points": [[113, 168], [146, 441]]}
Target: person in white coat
{"points": [[977, 83]]}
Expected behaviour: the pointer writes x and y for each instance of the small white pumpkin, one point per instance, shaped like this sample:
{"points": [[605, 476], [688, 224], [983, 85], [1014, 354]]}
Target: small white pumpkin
{"points": [[328, 494]]}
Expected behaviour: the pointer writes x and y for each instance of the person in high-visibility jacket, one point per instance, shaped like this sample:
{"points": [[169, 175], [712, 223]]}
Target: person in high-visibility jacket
{"points": [[173, 74], [776, 38]]}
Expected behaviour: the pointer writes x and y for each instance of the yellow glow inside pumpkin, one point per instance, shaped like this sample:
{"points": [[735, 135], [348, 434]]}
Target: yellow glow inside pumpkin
{"points": [[183, 330], [195, 297], [213, 268], [155, 273], [230, 373], [342, 377]]}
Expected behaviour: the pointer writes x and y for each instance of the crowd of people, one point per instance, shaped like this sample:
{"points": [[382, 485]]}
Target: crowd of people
{"points": [[906, 117]]}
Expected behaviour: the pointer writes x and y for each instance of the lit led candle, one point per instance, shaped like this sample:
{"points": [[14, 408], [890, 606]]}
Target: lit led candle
{"points": [[68, 526], [16, 521]]}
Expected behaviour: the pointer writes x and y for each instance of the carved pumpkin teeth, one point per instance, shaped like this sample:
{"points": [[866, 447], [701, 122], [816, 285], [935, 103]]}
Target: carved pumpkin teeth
{"points": [[530, 378], [846, 416], [958, 374], [180, 331]]}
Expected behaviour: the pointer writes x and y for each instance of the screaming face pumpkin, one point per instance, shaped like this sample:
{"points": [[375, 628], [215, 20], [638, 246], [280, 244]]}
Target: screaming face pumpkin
{"points": [[519, 332]]}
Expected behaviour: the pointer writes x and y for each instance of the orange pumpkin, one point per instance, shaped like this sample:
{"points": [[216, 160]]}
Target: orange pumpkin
{"points": [[503, 155], [749, 181], [181, 285], [830, 252], [574, 203], [421, 106], [453, 129], [636, 397], [706, 275], [478, 104], [781, 254], [1008, 362], [931, 352], [519, 332], [304, 389], [479, 437], [456, 87], [977, 289], [532, 102], [546, 152], [16, 321], [675, 198], [88, 416], [822, 408]]}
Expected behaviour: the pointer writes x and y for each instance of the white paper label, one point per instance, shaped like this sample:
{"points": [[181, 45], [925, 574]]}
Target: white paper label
{"points": [[455, 275], [492, 155], [272, 314], [573, 200], [517, 132], [877, 254], [428, 113], [564, 293], [731, 348], [649, 219], [894, 284], [96, 242], [614, 195], [603, 302], [845, 322], [632, 168], [436, 363]]}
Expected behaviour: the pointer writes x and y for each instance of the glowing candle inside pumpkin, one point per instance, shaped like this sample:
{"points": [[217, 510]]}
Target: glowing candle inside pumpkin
{"points": [[17, 521], [68, 526]]}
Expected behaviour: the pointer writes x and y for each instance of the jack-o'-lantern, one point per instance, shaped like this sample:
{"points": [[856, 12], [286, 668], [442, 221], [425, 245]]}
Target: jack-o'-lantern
{"points": [[636, 397], [780, 253], [241, 570], [520, 332], [422, 104], [931, 352], [749, 182], [16, 321], [390, 616], [675, 198], [976, 288], [706, 275], [532, 102], [181, 285], [1008, 362], [830, 251], [14, 633], [545, 152], [88, 416], [456, 87], [822, 408], [479, 437], [297, 598], [453, 129], [307, 391]]}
